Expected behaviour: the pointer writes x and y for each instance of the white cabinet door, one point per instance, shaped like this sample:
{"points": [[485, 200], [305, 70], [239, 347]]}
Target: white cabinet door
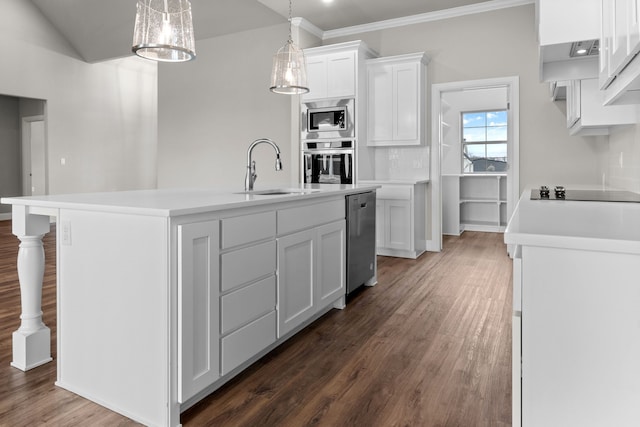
{"points": [[316, 77], [634, 27], [606, 40], [395, 101], [341, 75], [619, 32], [331, 76], [406, 108], [398, 218], [567, 21], [198, 307], [380, 104], [620, 26], [331, 246], [573, 102], [296, 279]]}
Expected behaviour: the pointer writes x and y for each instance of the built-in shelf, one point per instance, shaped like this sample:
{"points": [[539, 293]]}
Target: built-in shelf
{"points": [[475, 202]]}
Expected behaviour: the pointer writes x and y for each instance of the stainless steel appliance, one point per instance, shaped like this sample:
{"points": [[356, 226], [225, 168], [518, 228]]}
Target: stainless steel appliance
{"points": [[361, 239], [328, 162], [561, 193], [333, 119]]}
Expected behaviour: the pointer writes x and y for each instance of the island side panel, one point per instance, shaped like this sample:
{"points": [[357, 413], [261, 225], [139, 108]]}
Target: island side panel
{"points": [[580, 346], [113, 311]]}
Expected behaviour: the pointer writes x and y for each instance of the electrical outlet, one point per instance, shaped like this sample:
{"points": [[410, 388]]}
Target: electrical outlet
{"points": [[65, 232]]}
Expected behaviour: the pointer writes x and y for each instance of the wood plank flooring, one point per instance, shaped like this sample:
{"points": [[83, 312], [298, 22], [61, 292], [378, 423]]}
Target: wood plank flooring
{"points": [[430, 345]]}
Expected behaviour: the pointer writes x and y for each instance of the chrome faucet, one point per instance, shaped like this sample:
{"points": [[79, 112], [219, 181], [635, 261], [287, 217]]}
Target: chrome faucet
{"points": [[251, 176]]}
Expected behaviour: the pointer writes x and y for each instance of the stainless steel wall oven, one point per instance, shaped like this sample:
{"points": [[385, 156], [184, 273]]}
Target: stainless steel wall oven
{"points": [[328, 162]]}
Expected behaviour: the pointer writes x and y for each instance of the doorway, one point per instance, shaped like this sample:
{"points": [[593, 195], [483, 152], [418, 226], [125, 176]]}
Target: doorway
{"points": [[34, 165], [23, 149], [440, 129]]}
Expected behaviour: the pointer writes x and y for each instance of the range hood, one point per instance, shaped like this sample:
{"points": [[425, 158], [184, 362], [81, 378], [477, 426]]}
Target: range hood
{"points": [[563, 62]]}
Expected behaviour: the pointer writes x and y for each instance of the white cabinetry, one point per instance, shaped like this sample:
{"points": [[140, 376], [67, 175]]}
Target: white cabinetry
{"points": [[331, 268], [560, 23], [620, 44], [248, 287], [331, 75], [198, 279], [334, 71], [577, 334], [586, 114], [296, 279], [396, 100], [567, 21], [400, 220], [311, 262]]}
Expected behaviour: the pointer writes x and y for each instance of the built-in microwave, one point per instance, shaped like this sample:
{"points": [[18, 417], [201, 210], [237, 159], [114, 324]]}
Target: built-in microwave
{"points": [[328, 119]]}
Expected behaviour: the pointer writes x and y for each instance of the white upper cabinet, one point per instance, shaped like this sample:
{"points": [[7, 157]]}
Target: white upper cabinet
{"points": [[331, 76], [396, 100], [586, 114], [333, 70], [620, 38], [567, 21], [559, 24]]}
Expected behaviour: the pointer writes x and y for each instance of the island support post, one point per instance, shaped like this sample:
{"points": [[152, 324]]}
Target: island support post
{"points": [[32, 341]]}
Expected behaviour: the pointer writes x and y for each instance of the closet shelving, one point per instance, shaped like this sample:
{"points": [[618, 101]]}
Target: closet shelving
{"points": [[483, 202]]}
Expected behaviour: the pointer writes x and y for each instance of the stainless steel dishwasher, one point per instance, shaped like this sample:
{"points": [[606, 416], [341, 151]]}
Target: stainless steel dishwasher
{"points": [[361, 239]]}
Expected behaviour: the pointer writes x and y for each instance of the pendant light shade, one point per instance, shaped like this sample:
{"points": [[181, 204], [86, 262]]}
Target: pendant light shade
{"points": [[289, 74], [164, 31]]}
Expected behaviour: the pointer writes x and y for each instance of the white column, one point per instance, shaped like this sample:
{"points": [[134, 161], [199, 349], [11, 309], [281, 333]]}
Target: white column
{"points": [[32, 341]]}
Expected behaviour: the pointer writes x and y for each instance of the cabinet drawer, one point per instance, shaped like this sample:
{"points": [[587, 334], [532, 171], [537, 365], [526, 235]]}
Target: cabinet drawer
{"points": [[248, 228], [400, 192], [246, 342], [303, 217], [246, 304], [247, 264]]}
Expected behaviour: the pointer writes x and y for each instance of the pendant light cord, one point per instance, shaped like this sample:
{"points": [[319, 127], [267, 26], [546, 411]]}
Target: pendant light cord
{"points": [[290, 37]]}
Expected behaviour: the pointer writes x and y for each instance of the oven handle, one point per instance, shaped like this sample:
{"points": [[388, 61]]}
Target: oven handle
{"points": [[334, 151]]}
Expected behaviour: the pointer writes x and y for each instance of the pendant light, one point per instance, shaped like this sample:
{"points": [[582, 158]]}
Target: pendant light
{"points": [[289, 74], [164, 31]]}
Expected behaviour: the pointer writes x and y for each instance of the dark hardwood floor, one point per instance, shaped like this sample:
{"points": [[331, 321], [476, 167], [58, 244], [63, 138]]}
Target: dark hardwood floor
{"points": [[430, 345]]}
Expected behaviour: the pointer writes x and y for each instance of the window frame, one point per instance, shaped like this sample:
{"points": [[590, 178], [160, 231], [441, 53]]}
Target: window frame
{"points": [[463, 143]]}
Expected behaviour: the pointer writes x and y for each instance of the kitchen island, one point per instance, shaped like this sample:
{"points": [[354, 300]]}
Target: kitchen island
{"points": [[165, 295], [576, 316]]}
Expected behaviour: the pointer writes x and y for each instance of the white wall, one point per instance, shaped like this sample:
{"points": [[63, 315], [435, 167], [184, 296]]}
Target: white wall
{"points": [[498, 44], [102, 118], [10, 182], [624, 158], [212, 108]]}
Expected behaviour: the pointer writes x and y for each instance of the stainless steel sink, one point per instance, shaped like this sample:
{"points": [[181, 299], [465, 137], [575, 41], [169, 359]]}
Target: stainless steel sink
{"points": [[279, 191]]}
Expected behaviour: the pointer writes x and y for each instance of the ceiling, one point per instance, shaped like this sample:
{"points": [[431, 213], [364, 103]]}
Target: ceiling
{"points": [[103, 29]]}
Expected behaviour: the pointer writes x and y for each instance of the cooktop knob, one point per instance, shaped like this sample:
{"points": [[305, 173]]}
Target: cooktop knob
{"points": [[544, 192], [560, 192]]}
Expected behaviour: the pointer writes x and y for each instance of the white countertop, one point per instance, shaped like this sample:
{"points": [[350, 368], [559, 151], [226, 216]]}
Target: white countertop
{"points": [[173, 202], [394, 181], [599, 226]]}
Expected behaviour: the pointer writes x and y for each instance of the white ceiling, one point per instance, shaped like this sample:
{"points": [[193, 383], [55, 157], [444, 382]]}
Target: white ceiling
{"points": [[103, 29]]}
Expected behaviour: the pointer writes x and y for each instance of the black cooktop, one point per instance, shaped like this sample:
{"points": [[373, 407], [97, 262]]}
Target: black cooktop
{"points": [[560, 193]]}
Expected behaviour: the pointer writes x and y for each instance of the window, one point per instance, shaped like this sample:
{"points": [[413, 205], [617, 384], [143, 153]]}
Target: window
{"points": [[484, 141]]}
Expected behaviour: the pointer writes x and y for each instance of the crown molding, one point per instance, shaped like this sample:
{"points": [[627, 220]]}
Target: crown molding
{"points": [[308, 27], [454, 12]]}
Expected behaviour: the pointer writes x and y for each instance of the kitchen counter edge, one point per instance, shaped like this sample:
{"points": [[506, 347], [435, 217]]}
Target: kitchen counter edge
{"points": [[596, 226], [176, 202]]}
